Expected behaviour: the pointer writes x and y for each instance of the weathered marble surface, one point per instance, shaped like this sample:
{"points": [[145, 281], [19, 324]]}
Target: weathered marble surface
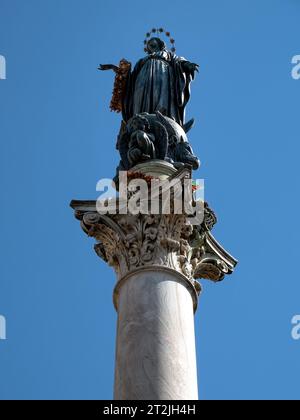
{"points": [[156, 356]]}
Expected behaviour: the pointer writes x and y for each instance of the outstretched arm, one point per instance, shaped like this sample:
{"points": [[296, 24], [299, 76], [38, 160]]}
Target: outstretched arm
{"points": [[104, 67]]}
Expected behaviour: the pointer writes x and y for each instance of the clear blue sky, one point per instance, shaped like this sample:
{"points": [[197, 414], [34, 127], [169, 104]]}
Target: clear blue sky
{"points": [[58, 139]]}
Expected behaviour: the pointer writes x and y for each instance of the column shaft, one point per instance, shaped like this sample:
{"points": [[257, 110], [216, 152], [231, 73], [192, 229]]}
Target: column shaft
{"points": [[155, 356]]}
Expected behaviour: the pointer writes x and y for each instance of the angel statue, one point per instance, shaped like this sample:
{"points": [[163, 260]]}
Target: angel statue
{"points": [[160, 82]]}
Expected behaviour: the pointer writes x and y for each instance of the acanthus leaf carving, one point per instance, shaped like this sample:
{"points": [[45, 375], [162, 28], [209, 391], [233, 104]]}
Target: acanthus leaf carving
{"points": [[129, 242]]}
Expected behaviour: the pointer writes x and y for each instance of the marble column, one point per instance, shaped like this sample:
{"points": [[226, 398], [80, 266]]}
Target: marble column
{"points": [[156, 356], [157, 259]]}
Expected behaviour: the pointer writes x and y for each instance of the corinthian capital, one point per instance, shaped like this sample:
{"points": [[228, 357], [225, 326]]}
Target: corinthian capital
{"points": [[131, 242]]}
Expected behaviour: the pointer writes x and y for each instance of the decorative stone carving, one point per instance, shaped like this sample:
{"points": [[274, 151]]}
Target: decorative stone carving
{"points": [[129, 242]]}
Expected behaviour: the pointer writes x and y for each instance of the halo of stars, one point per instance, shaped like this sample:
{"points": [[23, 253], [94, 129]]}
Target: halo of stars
{"points": [[158, 32]]}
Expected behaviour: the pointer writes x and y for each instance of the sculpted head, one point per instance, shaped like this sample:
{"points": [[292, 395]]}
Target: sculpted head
{"points": [[138, 122], [155, 45]]}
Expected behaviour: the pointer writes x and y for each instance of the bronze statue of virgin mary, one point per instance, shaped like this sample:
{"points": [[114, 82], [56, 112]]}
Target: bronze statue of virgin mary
{"points": [[160, 82]]}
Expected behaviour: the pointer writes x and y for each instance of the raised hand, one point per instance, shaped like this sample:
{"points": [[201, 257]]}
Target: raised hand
{"points": [[192, 67]]}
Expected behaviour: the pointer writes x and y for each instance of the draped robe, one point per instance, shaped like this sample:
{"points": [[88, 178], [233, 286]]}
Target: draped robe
{"points": [[159, 82]]}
